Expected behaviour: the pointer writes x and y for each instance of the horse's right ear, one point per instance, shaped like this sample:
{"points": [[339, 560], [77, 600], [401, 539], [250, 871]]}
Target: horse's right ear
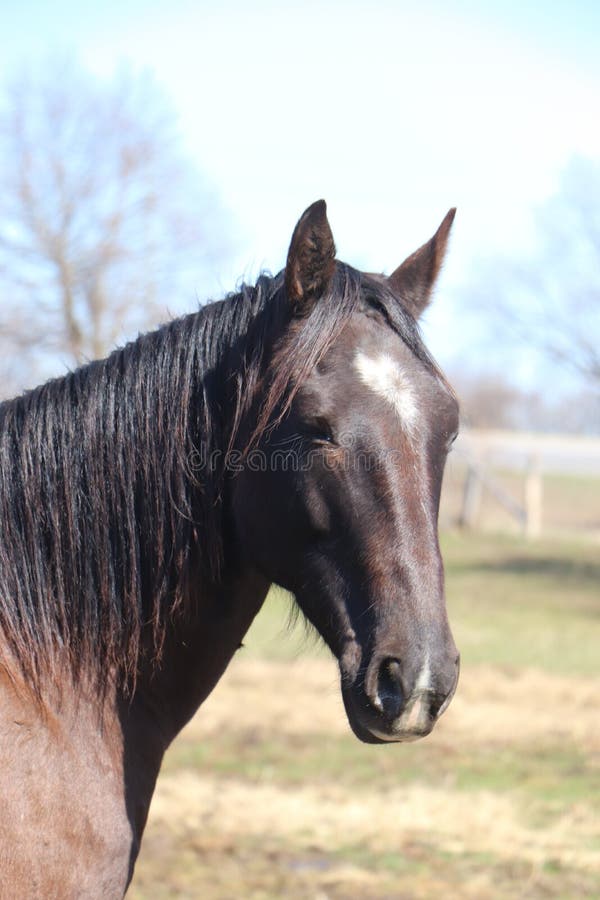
{"points": [[311, 259], [413, 281]]}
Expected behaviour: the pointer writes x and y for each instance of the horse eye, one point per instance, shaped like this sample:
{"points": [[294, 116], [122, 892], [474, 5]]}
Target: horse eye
{"points": [[451, 440], [320, 430]]}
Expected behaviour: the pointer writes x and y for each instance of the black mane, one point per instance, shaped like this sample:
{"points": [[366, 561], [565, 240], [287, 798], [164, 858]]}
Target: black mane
{"points": [[102, 516]]}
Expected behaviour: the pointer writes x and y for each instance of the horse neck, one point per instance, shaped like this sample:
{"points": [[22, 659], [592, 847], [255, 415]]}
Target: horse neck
{"points": [[198, 649], [105, 452]]}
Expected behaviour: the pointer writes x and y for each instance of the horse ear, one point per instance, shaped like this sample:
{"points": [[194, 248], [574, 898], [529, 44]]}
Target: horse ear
{"points": [[413, 281], [311, 259]]}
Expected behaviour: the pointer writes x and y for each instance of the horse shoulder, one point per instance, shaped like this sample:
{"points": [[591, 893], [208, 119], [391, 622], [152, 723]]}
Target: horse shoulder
{"points": [[64, 827]]}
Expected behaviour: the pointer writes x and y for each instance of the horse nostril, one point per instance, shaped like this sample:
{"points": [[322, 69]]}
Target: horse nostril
{"points": [[389, 688], [436, 701]]}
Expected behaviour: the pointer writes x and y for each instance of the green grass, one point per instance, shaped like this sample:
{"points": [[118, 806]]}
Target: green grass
{"points": [[517, 604], [280, 632], [511, 603]]}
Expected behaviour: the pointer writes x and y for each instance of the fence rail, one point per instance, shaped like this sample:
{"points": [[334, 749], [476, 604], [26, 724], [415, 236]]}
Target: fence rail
{"points": [[539, 483], [557, 453]]}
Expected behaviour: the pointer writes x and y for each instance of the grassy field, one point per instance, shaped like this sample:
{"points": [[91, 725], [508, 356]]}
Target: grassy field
{"points": [[267, 794]]}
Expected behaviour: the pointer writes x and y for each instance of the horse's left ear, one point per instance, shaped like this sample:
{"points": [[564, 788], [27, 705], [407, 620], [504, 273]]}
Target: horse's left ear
{"points": [[311, 259], [413, 281]]}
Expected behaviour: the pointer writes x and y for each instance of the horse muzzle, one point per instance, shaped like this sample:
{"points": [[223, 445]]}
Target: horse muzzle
{"points": [[388, 705]]}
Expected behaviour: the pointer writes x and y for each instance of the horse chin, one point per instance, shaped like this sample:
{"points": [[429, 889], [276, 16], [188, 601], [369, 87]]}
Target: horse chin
{"points": [[376, 736], [364, 735], [372, 729]]}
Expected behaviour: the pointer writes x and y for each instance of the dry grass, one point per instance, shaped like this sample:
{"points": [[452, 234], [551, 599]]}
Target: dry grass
{"points": [[266, 835], [491, 706], [266, 794]]}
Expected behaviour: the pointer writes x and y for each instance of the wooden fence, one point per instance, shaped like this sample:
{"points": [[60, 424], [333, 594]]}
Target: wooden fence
{"points": [[510, 470]]}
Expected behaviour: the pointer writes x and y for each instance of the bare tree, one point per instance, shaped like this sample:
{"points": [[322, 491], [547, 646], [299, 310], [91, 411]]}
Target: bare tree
{"points": [[551, 303], [491, 400], [102, 220], [487, 400]]}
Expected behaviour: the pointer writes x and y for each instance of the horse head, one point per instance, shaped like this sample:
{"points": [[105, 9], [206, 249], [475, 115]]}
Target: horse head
{"points": [[342, 510]]}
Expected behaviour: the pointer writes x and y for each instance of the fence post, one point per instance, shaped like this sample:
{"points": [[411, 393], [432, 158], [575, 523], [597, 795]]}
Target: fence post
{"points": [[471, 498], [533, 497]]}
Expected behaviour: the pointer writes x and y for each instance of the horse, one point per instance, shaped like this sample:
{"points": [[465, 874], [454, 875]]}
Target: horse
{"points": [[293, 433]]}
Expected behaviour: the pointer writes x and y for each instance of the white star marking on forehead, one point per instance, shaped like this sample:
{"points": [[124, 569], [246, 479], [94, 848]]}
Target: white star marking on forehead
{"points": [[384, 375]]}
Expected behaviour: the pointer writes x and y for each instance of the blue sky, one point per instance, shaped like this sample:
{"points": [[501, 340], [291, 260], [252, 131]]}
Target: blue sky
{"points": [[391, 111]]}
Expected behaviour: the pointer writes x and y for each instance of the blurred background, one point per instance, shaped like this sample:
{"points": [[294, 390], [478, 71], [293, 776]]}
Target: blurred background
{"points": [[154, 155]]}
